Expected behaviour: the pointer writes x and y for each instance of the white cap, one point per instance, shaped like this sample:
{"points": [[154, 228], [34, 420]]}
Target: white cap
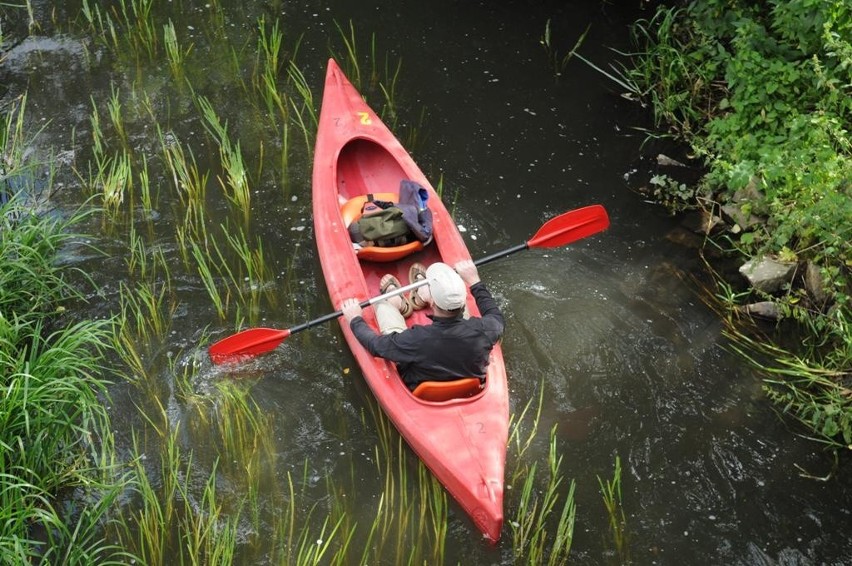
{"points": [[448, 290]]}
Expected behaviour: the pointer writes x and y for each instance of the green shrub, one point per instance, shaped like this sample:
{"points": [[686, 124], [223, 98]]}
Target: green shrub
{"points": [[53, 423], [762, 92]]}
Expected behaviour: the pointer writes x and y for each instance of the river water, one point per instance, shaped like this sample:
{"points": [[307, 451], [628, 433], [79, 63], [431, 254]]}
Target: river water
{"points": [[632, 362]]}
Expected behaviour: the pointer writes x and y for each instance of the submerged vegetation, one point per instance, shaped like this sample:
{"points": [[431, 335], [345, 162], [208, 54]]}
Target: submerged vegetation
{"points": [[762, 94]]}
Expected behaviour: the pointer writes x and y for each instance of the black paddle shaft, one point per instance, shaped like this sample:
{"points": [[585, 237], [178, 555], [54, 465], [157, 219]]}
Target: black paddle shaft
{"points": [[368, 302], [500, 254]]}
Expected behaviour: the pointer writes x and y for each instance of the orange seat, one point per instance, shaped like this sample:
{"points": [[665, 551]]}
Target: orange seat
{"points": [[351, 212], [446, 390]]}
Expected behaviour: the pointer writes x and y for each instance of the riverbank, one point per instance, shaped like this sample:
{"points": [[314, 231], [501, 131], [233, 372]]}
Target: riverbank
{"points": [[762, 97]]}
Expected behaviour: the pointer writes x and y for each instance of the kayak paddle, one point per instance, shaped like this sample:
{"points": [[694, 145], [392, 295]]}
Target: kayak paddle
{"points": [[558, 231]]}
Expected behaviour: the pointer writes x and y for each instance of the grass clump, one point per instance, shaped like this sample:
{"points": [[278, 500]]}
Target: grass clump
{"points": [[542, 527], [762, 95], [54, 430]]}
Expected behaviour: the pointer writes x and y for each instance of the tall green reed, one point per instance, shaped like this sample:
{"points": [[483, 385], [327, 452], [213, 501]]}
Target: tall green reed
{"points": [[305, 113], [246, 449], [559, 62], [542, 532], [235, 185], [175, 55], [54, 428], [127, 27], [410, 522], [269, 49], [13, 141], [116, 116], [300, 544], [611, 493], [240, 284], [180, 518], [381, 76]]}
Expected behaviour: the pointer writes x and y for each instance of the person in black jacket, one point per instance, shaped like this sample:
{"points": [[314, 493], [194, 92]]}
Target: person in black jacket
{"points": [[453, 346]]}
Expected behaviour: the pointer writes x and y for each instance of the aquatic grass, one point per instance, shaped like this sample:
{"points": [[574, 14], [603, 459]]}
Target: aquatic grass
{"points": [[811, 384], [52, 427], [190, 185], [350, 60], [148, 311], [174, 522], [139, 28], [413, 135], [147, 201], [254, 271], [680, 89], [116, 183], [520, 442], [175, 55], [269, 46], [557, 62], [284, 158], [433, 517], [410, 508], [245, 442], [13, 141], [112, 176], [88, 541], [275, 101], [184, 370], [19, 173], [210, 536], [532, 540], [236, 185], [388, 89], [100, 24], [128, 348], [299, 544], [541, 532], [217, 19], [611, 494], [116, 116], [128, 26], [32, 286], [143, 262], [98, 141], [307, 124], [817, 395], [382, 77], [242, 285], [209, 280]]}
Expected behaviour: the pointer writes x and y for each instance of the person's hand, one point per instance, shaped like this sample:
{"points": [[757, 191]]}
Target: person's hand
{"points": [[467, 271], [351, 309]]}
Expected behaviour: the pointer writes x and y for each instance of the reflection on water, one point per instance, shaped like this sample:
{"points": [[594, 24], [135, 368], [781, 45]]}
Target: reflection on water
{"points": [[631, 361]]}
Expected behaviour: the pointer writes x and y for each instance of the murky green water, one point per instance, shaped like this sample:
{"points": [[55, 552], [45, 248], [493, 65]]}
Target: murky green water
{"points": [[631, 361]]}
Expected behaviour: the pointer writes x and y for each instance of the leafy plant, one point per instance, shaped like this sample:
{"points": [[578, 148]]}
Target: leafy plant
{"points": [[762, 92]]}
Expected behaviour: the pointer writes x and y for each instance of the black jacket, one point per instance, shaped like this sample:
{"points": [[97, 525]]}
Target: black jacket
{"points": [[447, 349]]}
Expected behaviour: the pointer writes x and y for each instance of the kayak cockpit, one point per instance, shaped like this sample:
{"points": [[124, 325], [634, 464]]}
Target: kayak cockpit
{"points": [[438, 391]]}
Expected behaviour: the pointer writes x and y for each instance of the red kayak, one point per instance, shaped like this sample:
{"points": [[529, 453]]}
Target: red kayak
{"points": [[459, 431]]}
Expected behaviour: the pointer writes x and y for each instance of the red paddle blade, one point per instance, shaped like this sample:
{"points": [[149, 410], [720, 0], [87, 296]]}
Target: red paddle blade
{"points": [[246, 343], [570, 227]]}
